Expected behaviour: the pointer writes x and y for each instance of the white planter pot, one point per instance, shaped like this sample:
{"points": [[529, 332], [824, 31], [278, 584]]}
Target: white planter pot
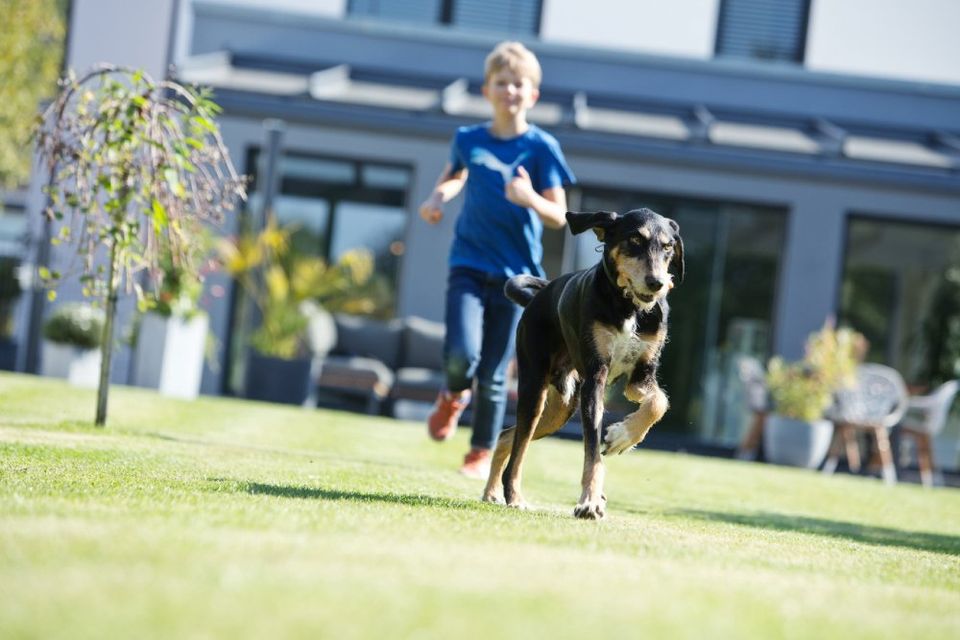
{"points": [[169, 354], [81, 367], [796, 442]]}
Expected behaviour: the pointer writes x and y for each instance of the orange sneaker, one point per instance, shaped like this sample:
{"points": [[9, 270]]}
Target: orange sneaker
{"points": [[476, 464], [446, 413]]}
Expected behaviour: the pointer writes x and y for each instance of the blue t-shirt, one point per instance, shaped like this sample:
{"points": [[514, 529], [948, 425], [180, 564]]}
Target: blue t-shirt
{"points": [[492, 234]]}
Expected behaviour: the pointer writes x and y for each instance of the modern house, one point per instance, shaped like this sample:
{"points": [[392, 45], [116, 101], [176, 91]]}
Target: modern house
{"points": [[809, 150]]}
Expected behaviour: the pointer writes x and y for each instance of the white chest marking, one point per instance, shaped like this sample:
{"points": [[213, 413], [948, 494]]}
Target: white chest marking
{"points": [[623, 348]]}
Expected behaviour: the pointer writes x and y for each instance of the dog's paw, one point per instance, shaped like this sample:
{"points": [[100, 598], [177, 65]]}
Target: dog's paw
{"points": [[492, 498], [617, 440], [519, 503], [591, 510]]}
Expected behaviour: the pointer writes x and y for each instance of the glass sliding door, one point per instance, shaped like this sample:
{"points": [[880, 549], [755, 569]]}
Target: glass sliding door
{"points": [[901, 289]]}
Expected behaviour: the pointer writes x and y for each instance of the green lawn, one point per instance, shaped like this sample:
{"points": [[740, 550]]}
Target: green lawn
{"points": [[222, 518]]}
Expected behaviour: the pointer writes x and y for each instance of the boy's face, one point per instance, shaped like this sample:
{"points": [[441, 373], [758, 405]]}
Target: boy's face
{"points": [[509, 92]]}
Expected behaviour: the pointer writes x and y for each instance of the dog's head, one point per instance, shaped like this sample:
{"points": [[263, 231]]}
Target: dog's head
{"points": [[642, 248]]}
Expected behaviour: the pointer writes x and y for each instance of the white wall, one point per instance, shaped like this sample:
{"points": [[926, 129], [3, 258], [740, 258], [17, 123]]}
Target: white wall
{"points": [[901, 39], [684, 28], [133, 34]]}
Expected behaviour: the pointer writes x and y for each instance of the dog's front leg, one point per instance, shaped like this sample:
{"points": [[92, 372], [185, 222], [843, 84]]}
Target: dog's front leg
{"points": [[624, 435], [592, 504]]}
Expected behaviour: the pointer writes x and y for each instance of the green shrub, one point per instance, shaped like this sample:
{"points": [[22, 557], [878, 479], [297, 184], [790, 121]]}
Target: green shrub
{"points": [[75, 324], [803, 390]]}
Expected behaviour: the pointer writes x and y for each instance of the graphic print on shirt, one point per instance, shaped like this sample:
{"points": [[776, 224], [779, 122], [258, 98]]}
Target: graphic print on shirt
{"points": [[485, 158]]}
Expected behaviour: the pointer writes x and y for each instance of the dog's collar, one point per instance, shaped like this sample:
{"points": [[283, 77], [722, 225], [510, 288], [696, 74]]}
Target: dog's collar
{"points": [[606, 269]]}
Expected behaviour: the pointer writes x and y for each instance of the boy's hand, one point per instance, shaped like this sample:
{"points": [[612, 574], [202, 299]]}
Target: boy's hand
{"points": [[519, 190], [431, 210]]}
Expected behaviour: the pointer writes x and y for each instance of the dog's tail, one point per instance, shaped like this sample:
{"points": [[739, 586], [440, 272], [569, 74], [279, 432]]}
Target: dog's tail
{"points": [[521, 289]]}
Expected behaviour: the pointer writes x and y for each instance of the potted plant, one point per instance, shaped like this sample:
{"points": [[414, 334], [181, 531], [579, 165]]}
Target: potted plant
{"points": [[796, 432], [290, 291], [71, 346], [9, 293], [171, 335]]}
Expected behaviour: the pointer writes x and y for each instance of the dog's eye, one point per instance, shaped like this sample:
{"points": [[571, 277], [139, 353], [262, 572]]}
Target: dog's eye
{"points": [[636, 240]]}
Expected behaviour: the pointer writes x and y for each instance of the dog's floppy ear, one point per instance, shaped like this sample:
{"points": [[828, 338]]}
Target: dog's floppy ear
{"points": [[599, 221], [677, 261]]}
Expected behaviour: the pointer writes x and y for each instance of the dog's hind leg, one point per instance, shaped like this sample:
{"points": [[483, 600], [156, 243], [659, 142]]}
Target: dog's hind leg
{"points": [[493, 492], [633, 429], [592, 502], [531, 400], [559, 407]]}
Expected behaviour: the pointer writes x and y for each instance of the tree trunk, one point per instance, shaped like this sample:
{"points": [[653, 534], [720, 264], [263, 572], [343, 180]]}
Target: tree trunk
{"points": [[106, 345]]}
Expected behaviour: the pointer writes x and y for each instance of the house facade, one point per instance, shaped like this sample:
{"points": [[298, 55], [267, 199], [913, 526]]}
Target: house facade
{"points": [[811, 156]]}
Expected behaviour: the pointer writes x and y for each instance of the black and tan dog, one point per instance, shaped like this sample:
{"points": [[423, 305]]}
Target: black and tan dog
{"points": [[582, 331]]}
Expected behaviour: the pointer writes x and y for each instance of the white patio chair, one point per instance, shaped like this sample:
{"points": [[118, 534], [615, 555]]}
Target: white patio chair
{"points": [[924, 419], [876, 403]]}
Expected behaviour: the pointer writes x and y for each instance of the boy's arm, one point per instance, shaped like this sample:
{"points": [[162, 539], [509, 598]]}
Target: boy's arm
{"points": [[448, 186], [551, 205]]}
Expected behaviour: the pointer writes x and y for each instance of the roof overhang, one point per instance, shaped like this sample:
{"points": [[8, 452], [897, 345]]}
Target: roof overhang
{"points": [[692, 131]]}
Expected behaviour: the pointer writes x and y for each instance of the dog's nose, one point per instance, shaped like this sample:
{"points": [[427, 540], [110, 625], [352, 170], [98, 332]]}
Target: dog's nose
{"points": [[653, 283]]}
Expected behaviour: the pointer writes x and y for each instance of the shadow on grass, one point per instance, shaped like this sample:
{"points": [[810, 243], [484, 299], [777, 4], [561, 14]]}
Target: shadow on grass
{"points": [[316, 493], [922, 541]]}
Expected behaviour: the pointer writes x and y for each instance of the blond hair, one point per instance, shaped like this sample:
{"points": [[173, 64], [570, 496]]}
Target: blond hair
{"points": [[516, 57]]}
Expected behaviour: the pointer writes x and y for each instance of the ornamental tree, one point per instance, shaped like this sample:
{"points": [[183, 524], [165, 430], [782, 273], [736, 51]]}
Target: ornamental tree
{"points": [[137, 169]]}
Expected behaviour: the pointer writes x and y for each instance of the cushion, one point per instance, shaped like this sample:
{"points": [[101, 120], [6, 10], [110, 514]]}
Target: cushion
{"points": [[423, 343], [416, 383], [350, 373], [369, 338]]}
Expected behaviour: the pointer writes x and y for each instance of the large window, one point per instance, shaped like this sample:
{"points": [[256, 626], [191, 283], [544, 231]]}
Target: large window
{"points": [[514, 17], [901, 289], [774, 30], [336, 205], [723, 309]]}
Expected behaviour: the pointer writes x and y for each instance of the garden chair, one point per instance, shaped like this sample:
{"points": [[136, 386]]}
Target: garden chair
{"points": [[753, 378], [876, 402], [924, 419]]}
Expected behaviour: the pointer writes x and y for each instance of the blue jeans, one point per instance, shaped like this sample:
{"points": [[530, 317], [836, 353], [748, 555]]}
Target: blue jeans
{"points": [[481, 330]]}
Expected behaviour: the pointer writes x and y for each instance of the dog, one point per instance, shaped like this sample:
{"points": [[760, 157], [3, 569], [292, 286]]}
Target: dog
{"points": [[579, 333]]}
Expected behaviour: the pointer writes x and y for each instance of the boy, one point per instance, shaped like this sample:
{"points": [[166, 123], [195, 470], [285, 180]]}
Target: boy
{"points": [[514, 174]]}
